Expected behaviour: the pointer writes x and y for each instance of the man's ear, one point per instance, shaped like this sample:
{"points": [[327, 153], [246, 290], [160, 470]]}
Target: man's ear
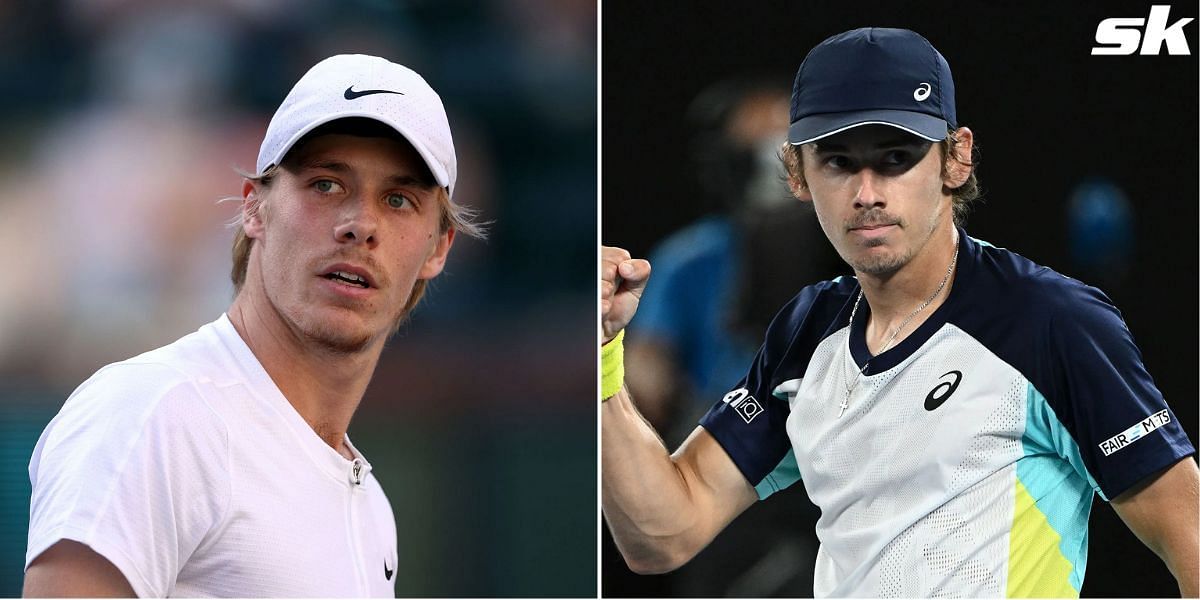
{"points": [[437, 255], [799, 190], [793, 164], [252, 209], [958, 165]]}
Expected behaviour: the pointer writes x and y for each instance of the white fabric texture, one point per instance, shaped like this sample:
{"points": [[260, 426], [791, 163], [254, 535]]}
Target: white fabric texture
{"points": [[187, 469], [940, 493]]}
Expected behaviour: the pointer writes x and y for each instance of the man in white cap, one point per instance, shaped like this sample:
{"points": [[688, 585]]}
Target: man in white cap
{"points": [[219, 465], [952, 409]]}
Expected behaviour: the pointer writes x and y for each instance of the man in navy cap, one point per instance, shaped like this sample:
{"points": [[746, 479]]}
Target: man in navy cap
{"points": [[951, 409]]}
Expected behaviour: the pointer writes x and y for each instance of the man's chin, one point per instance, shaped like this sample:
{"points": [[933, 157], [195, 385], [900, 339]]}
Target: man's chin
{"points": [[339, 342], [878, 263], [341, 334]]}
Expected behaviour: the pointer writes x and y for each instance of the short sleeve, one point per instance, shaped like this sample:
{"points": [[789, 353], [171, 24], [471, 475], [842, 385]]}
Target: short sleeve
{"points": [[135, 466], [750, 422], [1100, 390]]}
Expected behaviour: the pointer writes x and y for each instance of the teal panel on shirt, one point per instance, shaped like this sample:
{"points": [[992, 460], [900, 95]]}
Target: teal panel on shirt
{"points": [[1052, 471], [983, 243], [784, 474]]}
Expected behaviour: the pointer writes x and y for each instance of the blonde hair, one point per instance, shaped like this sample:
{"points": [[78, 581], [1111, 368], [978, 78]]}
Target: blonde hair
{"points": [[454, 216], [963, 196]]}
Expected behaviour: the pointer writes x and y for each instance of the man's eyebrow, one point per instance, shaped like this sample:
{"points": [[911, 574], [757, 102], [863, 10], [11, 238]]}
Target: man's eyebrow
{"points": [[827, 147], [342, 168], [909, 140], [410, 180], [327, 165]]}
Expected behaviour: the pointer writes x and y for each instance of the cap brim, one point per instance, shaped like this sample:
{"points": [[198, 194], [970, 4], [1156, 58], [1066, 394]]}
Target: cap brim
{"points": [[815, 127], [439, 172]]}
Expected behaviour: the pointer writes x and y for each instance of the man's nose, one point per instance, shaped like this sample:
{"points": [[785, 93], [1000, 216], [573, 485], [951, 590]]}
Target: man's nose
{"points": [[870, 193], [357, 223]]}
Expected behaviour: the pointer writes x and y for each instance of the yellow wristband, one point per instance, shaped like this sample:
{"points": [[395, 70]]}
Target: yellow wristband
{"points": [[612, 367]]}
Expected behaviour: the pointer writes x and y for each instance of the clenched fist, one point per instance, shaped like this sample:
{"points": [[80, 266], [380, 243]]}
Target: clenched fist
{"points": [[622, 280]]}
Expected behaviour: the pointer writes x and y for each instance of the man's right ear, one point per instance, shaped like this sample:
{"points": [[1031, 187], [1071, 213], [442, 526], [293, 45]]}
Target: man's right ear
{"points": [[799, 190], [251, 209]]}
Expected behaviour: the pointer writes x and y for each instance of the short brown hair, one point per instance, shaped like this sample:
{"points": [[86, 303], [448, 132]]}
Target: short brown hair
{"points": [[963, 196]]}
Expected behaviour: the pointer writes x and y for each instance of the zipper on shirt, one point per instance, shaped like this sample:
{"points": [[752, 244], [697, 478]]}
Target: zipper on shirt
{"points": [[357, 475]]}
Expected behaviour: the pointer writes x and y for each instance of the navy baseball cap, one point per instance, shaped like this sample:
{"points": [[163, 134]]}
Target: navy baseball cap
{"points": [[872, 76]]}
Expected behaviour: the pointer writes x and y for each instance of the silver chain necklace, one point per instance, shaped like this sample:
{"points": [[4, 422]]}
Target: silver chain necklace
{"points": [[853, 311]]}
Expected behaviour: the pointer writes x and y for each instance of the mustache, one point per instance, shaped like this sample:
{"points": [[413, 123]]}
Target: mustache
{"points": [[873, 218]]}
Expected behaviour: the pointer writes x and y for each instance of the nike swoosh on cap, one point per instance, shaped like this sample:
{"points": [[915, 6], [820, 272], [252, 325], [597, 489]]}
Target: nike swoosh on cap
{"points": [[351, 94]]}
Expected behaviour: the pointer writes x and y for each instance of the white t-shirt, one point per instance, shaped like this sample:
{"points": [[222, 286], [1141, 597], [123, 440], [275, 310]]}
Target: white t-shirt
{"points": [[188, 470]]}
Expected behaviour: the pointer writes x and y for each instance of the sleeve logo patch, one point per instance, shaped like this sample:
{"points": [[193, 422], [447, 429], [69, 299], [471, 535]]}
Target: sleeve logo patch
{"points": [[1135, 433], [744, 404]]}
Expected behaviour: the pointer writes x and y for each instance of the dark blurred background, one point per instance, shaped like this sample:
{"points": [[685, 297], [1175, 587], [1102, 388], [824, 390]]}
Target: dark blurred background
{"points": [[1089, 165], [121, 123]]}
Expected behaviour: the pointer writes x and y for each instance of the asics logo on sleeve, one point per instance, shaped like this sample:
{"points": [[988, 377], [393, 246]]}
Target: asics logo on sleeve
{"points": [[744, 404], [942, 391], [351, 94]]}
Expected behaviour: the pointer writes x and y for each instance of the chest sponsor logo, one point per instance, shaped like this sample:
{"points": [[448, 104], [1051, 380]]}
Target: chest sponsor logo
{"points": [[1136, 432], [743, 404], [942, 391]]}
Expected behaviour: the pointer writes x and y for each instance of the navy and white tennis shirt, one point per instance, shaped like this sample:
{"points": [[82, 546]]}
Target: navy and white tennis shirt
{"points": [[966, 460]]}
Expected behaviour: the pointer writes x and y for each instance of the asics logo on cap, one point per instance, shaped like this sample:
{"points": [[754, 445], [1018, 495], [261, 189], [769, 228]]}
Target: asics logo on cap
{"points": [[351, 94], [922, 92]]}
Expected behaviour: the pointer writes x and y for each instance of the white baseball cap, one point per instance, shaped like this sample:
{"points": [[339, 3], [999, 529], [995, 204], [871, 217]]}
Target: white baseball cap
{"points": [[356, 85]]}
